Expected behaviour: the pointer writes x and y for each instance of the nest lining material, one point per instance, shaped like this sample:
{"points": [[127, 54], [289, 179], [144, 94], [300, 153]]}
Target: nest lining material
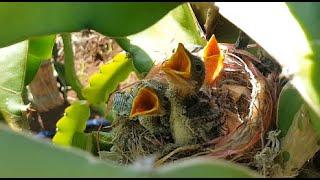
{"points": [[243, 102]]}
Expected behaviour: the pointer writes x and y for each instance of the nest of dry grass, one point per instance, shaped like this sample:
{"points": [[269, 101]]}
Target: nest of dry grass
{"points": [[245, 97]]}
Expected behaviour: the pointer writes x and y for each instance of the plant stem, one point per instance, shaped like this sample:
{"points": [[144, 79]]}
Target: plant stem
{"points": [[70, 72]]}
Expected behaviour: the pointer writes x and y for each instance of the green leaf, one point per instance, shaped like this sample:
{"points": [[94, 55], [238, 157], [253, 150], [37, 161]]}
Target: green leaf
{"points": [[107, 80], [289, 104], [22, 20], [73, 121], [300, 143], [83, 141], [69, 68], [204, 168], [25, 156], [289, 34], [104, 138], [307, 14], [40, 49], [40, 158], [13, 60], [156, 43], [188, 23], [315, 120]]}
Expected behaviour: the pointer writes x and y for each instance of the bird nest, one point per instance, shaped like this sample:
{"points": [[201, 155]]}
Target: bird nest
{"points": [[242, 100]]}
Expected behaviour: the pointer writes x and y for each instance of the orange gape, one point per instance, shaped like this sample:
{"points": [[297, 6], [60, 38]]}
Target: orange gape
{"points": [[145, 103], [213, 60]]}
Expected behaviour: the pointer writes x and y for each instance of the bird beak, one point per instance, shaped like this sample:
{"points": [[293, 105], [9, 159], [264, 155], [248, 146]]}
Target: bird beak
{"points": [[178, 67], [213, 60], [146, 102]]}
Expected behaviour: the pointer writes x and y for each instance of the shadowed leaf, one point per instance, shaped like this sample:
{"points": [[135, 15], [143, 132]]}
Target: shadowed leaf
{"points": [[22, 20]]}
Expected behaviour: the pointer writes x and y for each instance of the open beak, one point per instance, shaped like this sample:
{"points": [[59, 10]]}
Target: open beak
{"points": [[213, 60], [146, 102], [178, 67]]}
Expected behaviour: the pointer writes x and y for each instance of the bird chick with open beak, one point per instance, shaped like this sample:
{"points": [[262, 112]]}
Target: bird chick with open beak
{"points": [[141, 124], [185, 74], [146, 103]]}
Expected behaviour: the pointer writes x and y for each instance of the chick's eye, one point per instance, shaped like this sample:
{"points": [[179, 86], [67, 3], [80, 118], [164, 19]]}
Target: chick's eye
{"points": [[198, 67]]}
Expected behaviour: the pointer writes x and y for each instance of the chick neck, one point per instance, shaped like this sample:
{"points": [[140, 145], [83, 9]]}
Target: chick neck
{"points": [[181, 133]]}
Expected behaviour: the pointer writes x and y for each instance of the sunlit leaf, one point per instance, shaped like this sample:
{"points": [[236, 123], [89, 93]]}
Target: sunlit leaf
{"points": [[307, 14], [307, 80], [73, 122], [13, 60], [19, 63], [156, 43], [107, 80]]}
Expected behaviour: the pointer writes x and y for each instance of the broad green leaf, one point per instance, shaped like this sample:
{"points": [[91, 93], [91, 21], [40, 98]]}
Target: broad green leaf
{"points": [[300, 143], [13, 60], [25, 156], [307, 14], [106, 81], [40, 49], [73, 122], [289, 104], [21, 20], [300, 132], [205, 168], [19, 63], [156, 43], [289, 34]]}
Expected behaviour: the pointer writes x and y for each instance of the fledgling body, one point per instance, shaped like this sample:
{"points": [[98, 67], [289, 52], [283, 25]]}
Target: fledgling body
{"points": [[192, 118]]}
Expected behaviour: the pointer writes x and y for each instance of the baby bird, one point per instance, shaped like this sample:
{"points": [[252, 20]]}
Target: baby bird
{"points": [[185, 75], [193, 119], [152, 108], [147, 104], [141, 125], [185, 72]]}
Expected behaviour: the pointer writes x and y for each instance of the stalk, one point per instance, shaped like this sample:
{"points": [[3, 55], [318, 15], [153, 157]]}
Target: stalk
{"points": [[70, 73]]}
